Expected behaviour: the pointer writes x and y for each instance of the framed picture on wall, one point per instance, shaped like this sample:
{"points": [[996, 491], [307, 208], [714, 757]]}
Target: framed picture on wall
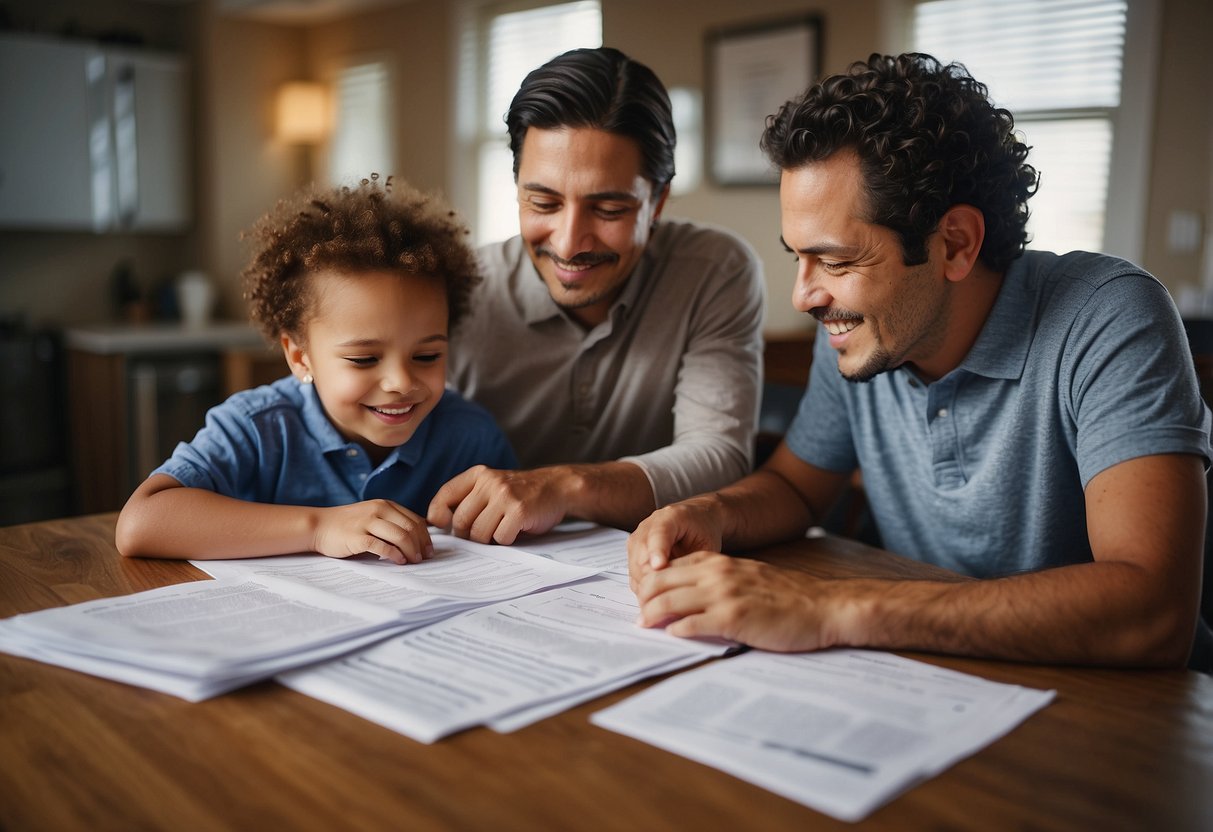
{"points": [[751, 71]]}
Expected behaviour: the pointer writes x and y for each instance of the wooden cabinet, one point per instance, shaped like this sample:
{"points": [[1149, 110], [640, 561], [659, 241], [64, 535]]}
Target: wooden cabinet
{"points": [[137, 391]]}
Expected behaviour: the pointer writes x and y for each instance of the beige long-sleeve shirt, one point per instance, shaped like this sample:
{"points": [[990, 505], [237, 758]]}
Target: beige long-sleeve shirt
{"points": [[670, 381]]}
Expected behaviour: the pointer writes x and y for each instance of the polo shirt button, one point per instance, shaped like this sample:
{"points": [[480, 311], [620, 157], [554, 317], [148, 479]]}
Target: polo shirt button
{"points": [[943, 413], [352, 452], [363, 475]]}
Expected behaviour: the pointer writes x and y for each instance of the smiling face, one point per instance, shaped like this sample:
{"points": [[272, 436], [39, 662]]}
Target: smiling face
{"points": [[375, 346], [585, 213], [852, 278]]}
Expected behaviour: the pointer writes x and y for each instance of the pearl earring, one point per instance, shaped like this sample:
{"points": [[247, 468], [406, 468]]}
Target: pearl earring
{"points": [[307, 378]]}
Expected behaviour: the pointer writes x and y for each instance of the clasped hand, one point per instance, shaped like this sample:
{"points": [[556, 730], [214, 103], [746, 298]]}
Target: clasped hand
{"points": [[683, 583]]}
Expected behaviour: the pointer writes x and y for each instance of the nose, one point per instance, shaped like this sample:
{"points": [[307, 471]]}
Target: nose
{"points": [[573, 233], [397, 378], [809, 292]]}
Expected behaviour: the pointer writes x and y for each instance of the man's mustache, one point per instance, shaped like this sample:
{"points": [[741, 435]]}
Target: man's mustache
{"points": [[588, 258]]}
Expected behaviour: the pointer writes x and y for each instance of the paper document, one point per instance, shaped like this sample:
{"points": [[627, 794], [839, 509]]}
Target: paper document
{"points": [[539, 653], [267, 615], [583, 544], [198, 639], [841, 731], [460, 576]]}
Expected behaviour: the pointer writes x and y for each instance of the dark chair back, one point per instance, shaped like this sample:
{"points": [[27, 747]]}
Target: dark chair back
{"points": [[1200, 339]]}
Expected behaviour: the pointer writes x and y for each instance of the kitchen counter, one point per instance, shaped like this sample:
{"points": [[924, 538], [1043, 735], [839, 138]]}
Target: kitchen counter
{"points": [[138, 389], [160, 338]]}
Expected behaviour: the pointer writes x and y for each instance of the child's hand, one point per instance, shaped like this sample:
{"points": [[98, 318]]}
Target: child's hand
{"points": [[380, 527]]}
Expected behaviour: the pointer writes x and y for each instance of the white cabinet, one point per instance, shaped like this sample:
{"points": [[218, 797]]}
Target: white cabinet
{"points": [[92, 137]]}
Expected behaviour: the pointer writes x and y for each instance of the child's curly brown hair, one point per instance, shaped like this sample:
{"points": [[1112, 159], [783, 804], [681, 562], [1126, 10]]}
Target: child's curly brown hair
{"points": [[372, 227]]}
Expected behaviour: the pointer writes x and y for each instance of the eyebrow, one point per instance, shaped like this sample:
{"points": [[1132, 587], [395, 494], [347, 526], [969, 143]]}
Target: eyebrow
{"points": [[833, 249], [616, 196], [371, 342]]}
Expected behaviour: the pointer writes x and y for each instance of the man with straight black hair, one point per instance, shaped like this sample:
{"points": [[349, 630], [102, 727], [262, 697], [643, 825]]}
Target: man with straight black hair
{"points": [[620, 352]]}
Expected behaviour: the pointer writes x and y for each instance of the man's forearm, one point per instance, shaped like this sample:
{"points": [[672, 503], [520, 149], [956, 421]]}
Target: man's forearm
{"points": [[1092, 613], [614, 494]]}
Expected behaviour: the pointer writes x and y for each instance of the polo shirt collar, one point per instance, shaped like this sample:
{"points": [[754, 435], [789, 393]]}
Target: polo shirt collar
{"points": [[1001, 349]]}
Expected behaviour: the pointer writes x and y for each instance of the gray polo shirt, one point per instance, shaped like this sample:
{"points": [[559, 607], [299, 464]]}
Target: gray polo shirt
{"points": [[669, 381], [1082, 364]]}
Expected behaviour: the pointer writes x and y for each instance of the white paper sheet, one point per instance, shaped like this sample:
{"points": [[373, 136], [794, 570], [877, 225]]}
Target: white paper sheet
{"points": [[460, 576], [583, 544], [493, 661], [193, 640], [266, 615], [842, 731]]}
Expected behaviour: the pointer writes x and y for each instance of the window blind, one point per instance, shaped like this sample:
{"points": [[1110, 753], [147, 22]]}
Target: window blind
{"points": [[362, 140], [1032, 54], [515, 43], [521, 41], [1057, 66]]}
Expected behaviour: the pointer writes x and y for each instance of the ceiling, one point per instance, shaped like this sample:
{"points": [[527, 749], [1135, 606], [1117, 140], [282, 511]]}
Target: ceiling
{"points": [[300, 11]]}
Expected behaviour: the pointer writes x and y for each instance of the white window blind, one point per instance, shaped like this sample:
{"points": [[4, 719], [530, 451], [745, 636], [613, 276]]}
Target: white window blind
{"points": [[515, 43], [1057, 65], [362, 136]]}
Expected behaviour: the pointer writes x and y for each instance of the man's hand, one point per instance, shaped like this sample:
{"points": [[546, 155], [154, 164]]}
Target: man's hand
{"points": [[381, 527], [710, 595], [487, 505], [671, 532]]}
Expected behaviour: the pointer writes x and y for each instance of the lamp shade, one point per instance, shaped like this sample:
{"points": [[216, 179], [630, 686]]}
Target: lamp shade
{"points": [[302, 112]]}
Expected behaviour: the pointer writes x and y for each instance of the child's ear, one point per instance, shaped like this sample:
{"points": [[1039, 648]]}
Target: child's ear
{"points": [[296, 358]]}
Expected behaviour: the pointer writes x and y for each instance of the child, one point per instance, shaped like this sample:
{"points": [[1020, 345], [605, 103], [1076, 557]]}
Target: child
{"points": [[359, 285]]}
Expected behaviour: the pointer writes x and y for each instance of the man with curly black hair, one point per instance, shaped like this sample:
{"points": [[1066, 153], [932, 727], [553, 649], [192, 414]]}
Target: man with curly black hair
{"points": [[1028, 419], [358, 287]]}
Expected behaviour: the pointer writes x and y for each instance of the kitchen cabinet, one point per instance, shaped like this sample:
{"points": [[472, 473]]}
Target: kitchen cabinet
{"points": [[33, 432], [94, 138], [136, 391]]}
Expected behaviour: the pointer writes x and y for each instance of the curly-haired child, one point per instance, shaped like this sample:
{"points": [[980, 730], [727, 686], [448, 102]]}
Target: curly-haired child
{"points": [[342, 457]]}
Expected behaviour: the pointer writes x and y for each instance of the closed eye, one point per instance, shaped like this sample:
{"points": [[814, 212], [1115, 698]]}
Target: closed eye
{"points": [[427, 357], [611, 212], [362, 360]]}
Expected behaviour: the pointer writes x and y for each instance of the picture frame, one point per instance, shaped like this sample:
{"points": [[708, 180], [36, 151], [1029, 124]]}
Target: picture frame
{"points": [[751, 71]]}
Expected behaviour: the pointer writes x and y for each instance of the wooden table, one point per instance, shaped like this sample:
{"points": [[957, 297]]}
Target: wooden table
{"points": [[1115, 750]]}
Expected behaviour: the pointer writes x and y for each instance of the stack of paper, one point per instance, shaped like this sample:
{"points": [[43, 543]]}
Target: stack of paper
{"points": [[198, 640], [267, 615], [842, 731], [460, 576], [506, 665]]}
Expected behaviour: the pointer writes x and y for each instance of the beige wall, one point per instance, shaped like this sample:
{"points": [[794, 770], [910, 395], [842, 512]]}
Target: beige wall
{"points": [[1181, 175], [242, 170], [415, 41], [663, 36], [245, 169]]}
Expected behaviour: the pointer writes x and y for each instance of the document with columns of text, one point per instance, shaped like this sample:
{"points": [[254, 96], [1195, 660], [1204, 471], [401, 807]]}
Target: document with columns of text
{"points": [[266, 615], [506, 665], [841, 731]]}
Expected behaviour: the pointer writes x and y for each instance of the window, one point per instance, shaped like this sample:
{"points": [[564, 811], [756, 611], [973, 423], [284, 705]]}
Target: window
{"points": [[1063, 69], [514, 43], [362, 137]]}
